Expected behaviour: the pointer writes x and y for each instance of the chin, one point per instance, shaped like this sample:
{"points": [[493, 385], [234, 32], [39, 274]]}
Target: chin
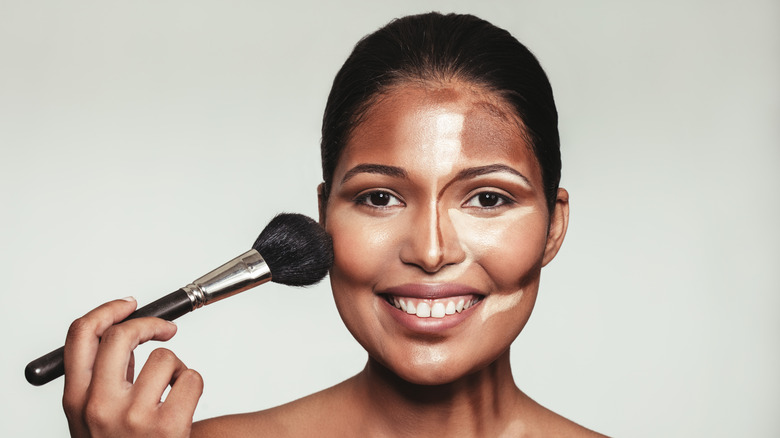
{"points": [[431, 366], [431, 377]]}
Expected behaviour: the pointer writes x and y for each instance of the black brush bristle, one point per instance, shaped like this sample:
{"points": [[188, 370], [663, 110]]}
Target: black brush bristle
{"points": [[297, 249]]}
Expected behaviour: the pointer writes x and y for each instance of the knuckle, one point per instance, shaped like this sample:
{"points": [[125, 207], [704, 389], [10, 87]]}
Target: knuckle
{"points": [[193, 379], [136, 418], [70, 406], [79, 327], [163, 355], [96, 414], [114, 333], [70, 403]]}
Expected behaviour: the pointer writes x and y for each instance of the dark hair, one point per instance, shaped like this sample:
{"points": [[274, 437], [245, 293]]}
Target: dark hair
{"points": [[436, 47]]}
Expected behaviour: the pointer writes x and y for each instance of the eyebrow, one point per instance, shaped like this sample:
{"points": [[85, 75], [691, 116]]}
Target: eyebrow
{"points": [[397, 172], [473, 172], [381, 169]]}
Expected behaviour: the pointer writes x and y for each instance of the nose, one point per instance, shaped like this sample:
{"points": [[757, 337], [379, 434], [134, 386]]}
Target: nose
{"points": [[431, 241]]}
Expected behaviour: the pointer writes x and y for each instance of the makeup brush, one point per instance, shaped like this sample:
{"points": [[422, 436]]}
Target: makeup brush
{"points": [[292, 249]]}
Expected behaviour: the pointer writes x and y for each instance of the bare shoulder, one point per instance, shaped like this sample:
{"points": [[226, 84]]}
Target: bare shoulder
{"points": [[549, 423], [312, 415], [568, 428]]}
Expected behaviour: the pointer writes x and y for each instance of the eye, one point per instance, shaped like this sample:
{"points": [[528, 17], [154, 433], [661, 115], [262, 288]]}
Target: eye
{"points": [[487, 200], [378, 199]]}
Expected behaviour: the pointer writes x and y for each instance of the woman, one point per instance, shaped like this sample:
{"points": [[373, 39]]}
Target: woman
{"points": [[441, 165]]}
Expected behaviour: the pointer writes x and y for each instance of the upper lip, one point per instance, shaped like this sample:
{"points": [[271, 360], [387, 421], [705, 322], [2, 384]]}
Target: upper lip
{"points": [[430, 291]]}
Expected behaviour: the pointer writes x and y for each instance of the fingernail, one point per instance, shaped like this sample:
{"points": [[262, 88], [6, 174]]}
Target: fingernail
{"points": [[171, 322], [131, 299]]}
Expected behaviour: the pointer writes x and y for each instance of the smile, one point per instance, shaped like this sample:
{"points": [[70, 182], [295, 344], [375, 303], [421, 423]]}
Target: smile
{"points": [[433, 308]]}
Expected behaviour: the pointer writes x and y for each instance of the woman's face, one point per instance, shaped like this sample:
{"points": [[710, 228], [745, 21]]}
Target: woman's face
{"points": [[440, 230]]}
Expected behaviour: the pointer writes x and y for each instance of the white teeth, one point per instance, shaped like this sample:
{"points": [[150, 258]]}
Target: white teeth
{"points": [[437, 311], [432, 308]]}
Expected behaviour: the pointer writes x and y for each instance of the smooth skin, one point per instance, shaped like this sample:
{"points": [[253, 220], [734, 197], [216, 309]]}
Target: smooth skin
{"points": [[437, 188]]}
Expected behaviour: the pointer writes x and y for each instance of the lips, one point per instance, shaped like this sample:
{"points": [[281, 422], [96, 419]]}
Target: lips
{"points": [[432, 300]]}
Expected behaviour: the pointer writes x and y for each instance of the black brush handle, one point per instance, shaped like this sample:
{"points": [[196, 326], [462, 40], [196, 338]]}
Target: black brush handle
{"points": [[50, 366]]}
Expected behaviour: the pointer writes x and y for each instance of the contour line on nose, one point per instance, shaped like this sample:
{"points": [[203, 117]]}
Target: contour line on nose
{"points": [[439, 244]]}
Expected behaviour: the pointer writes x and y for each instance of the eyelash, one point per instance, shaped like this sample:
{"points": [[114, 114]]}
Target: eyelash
{"points": [[365, 200], [501, 200]]}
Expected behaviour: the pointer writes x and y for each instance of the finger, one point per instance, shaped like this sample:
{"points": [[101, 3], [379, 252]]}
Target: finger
{"points": [[185, 392], [113, 355], [81, 346], [160, 370]]}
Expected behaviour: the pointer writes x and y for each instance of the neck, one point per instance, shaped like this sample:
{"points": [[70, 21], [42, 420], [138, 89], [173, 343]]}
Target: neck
{"points": [[484, 403]]}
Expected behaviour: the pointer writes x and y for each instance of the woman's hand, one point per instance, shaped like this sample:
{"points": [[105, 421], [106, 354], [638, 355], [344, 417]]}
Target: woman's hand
{"points": [[100, 398]]}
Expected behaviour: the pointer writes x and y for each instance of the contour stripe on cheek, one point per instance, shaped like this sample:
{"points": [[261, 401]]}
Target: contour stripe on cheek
{"points": [[475, 241]]}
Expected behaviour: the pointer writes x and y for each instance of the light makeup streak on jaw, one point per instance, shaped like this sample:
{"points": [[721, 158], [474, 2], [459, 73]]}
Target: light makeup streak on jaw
{"points": [[495, 304], [471, 239]]}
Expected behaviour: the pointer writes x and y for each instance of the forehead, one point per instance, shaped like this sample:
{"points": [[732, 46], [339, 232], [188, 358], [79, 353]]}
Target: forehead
{"points": [[415, 122]]}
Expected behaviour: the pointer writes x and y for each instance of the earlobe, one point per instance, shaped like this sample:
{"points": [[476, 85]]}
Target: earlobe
{"points": [[559, 222], [321, 203]]}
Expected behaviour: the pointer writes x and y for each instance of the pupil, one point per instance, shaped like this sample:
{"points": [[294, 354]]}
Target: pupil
{"points": [[488, 199], [380, 199]]}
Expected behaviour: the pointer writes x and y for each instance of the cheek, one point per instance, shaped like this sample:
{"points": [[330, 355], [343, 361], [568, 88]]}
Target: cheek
{"points": [[364, 249], [360, 251], [509, 251], [509, 248]]}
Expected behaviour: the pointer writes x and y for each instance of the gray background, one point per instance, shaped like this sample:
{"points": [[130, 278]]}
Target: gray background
{"points": [[144, 143]]}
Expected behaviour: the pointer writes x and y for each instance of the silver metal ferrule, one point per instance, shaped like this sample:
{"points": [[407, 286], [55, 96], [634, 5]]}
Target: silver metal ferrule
{"points": [[243, 272]]}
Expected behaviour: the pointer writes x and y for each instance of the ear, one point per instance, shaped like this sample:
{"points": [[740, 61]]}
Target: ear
{"points": [[322, 203], [559, 222]]}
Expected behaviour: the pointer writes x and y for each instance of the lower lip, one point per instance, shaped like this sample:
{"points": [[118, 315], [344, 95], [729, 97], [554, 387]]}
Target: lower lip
{"points": [[427, 325]]}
